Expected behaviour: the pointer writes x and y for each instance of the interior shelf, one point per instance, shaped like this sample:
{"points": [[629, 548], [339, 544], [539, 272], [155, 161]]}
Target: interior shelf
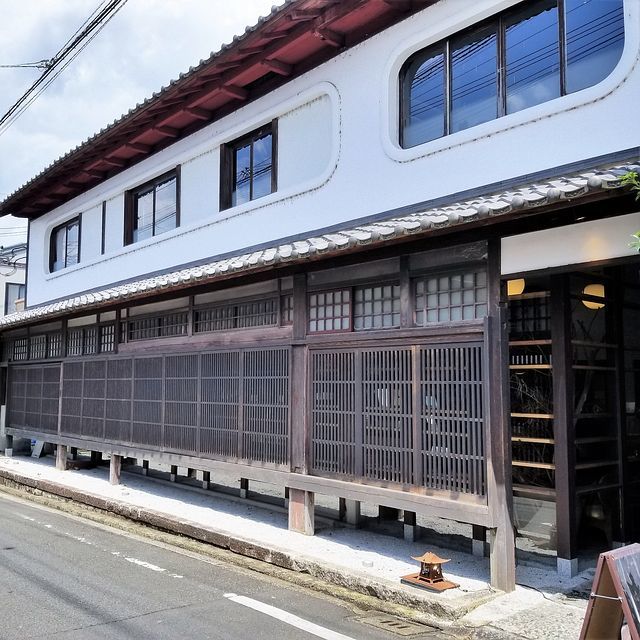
{"points": [[533, 440], [536, 416], [533, 465], [524, 367]]}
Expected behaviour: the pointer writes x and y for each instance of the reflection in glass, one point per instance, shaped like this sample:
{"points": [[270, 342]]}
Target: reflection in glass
{"points": [[59, 245], [425, 116], [474, 90], [532, 56], [144, 217], [73, 244], [242, 178], [594, 40], [165, 208], [261, 167]]}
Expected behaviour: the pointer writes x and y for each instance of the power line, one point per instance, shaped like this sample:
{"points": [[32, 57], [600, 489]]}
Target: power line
{"points": [[101, 16]]}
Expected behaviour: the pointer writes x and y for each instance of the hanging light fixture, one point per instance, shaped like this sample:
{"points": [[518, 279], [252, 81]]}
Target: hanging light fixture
{"points": [[595, 290], [515, 287]]}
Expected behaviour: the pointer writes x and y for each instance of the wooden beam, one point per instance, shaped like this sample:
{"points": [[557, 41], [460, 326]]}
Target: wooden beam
{"points": [[281, 68], [502, 556], [115, 469], [563, 426], [304, 15], [301, 511], [115, 162], [330, 37], [402, 6], [139, 147], [239, 93], [198, 113], [169, 132]]}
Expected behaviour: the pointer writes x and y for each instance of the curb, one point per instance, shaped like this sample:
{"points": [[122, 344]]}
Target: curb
{"points": [[436, 612]]}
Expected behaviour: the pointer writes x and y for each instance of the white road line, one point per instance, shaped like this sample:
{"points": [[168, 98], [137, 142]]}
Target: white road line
{"points": [[288, 618]]}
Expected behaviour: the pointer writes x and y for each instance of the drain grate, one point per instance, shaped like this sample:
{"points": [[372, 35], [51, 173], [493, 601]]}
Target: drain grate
{"points": [[398, 626]]}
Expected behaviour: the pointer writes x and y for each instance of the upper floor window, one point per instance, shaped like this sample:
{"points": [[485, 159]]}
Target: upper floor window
{"points": [[152, 209], [65, 245], [525, 56], [248, 167], [13, 293]]}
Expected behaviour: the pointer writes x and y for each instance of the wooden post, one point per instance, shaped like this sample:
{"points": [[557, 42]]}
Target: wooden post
{"points": [[301, 511], [563, 426], [8, 450], [478, 540], [61, 457], [350, 511], [74, 453], [244, 487], [115, 467], [145, 467], [410, 526], [173, 476], [300, 436], [502, 557], [206, 479]]}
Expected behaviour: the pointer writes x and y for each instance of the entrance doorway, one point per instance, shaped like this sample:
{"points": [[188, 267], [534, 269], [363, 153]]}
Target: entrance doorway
{"points": [[574, 361]]}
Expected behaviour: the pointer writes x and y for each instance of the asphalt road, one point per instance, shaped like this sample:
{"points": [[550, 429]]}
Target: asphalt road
{"points": [[65, 578]]}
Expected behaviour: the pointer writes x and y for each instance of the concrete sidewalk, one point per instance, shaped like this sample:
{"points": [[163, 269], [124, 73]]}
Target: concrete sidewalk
{"points": [[543, 606]]}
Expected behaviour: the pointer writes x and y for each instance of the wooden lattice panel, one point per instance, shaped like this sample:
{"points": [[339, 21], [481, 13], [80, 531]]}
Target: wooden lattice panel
{"points": [[33, 397]]}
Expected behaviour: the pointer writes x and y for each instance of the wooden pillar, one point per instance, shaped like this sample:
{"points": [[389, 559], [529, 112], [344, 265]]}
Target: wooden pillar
{"points": [[8, 450], [145, 467], [563, 426], [61, 457], [301, 511], [350, 511], [410, 526], [206, 479], [244, 487], [173, 476], [502, 558], [478, 540], [115, 467]]}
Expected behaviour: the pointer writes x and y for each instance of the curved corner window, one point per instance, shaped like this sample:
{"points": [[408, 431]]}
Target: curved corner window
{"points": [[64, 249], [522, 57]]}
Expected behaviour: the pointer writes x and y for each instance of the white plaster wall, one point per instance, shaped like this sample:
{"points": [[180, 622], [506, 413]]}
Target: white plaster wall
{"points": [[114, 225], [91, 233], [339, 157], [576, 244]]}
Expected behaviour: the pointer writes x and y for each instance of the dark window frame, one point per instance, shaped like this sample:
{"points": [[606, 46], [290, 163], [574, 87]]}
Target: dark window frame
{"points": [[131, 204], [228, 163], [20, 285], [52, 242], [444, 47]]}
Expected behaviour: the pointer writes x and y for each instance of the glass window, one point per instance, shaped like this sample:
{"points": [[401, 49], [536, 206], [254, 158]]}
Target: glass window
{"points": [[508, 63], [65, 245], [450, 297], [425, 99], [154, 208], [594, 40], [474, 79], [13, 292], [330, 311], [532, 56], [248, 168], [376, 307]]}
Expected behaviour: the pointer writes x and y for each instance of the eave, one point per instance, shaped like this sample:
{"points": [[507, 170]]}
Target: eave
{"points": [[293, 39]]}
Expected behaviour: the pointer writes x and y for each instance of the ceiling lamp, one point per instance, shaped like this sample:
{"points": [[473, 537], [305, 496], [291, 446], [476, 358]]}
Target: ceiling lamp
{"points": [[595, 291], [515, 287]]}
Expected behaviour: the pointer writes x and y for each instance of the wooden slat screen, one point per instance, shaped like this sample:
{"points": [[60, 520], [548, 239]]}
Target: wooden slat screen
{"points": [[410, 416], [228, 405], [33, 397]]}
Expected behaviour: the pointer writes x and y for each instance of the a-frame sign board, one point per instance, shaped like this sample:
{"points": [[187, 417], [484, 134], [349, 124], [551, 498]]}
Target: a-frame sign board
{"points": [[615, 596]]}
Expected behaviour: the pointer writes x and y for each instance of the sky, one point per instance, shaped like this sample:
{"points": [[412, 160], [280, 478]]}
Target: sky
{"points": [[147, 44]]}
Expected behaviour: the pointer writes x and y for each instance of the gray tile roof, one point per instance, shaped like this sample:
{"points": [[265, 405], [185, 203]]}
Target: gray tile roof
{"points": [[525, 198]]}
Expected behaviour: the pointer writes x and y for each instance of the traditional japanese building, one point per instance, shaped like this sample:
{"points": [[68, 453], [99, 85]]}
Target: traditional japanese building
{"points": [[374, 249]]}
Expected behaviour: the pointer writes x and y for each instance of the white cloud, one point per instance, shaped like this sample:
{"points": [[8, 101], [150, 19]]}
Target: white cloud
{"points": [[147, 44]]}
